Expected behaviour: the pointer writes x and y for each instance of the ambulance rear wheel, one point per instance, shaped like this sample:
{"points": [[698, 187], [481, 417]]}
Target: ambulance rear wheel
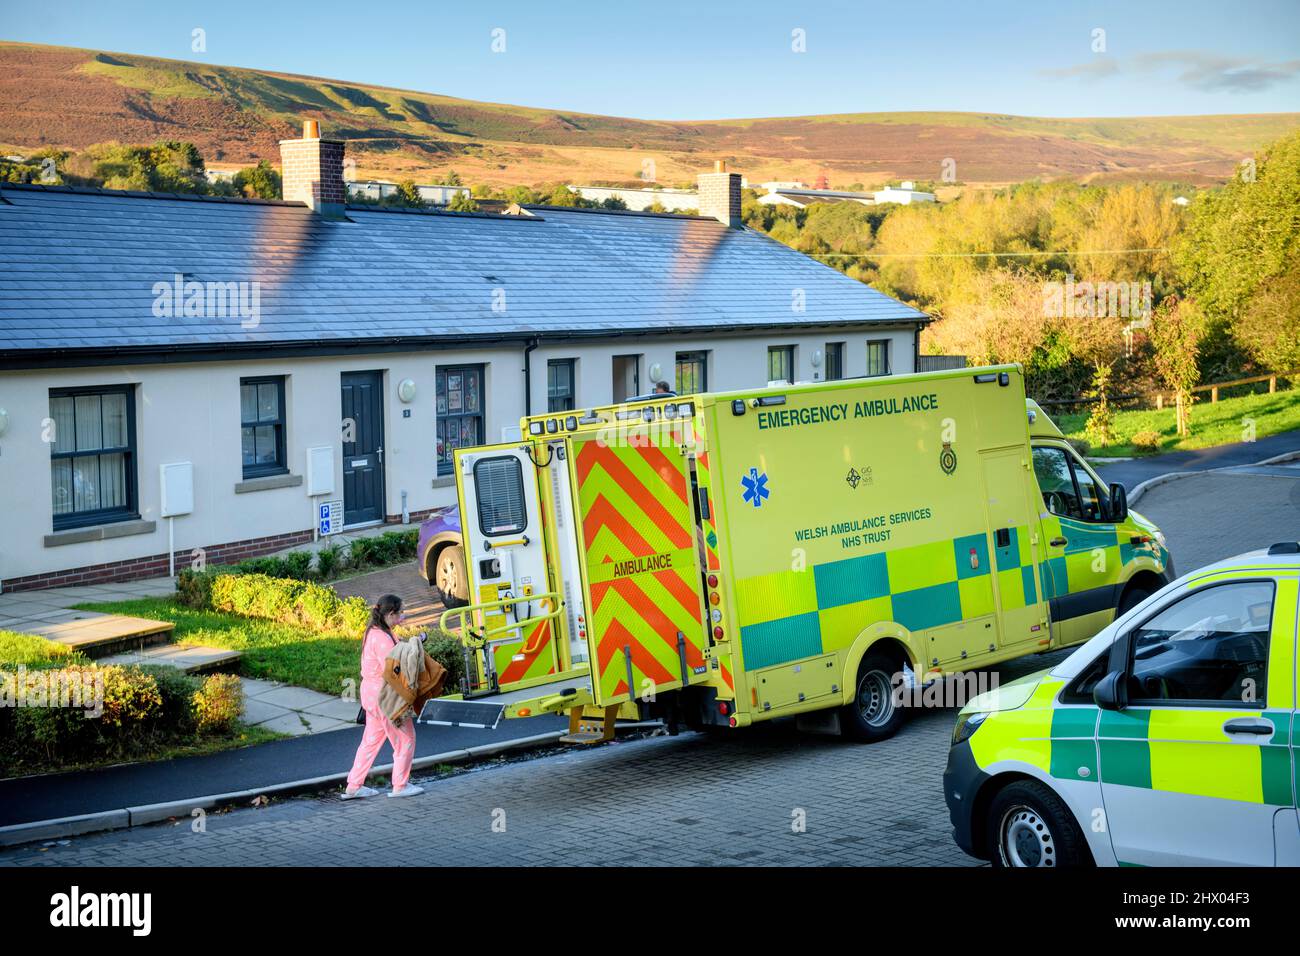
{"points": [[873, 714], [1132, 598], [1029, 826]]}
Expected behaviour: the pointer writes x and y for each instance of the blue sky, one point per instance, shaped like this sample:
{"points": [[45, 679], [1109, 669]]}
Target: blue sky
{"points": [[700, 60]]}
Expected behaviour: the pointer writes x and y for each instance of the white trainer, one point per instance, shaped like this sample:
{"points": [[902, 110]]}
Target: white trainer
{"points": [[358, 793], [409, 790]]}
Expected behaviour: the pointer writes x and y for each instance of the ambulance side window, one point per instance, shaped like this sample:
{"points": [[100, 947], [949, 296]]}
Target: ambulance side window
{"points": [[499, 487], [1056, 481], [1090, 506], [1210, 646], [1081, 688], [1068, 488]]}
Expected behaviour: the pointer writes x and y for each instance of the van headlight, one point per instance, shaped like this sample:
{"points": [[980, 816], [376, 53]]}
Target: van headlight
{"points": [[1160, 538], [967, 724]]}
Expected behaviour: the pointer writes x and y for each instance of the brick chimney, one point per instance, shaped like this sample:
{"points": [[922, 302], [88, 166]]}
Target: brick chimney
{"points": [[720, 195], [313, 171]]}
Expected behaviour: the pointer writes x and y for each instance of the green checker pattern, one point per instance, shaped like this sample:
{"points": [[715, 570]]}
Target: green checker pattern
{"points": [[790, 615]]}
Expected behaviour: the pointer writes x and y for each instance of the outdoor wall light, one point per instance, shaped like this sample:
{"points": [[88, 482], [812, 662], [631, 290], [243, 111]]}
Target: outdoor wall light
{"points": [[406, 390], [656, 372], [4, 421], [817, 358]]}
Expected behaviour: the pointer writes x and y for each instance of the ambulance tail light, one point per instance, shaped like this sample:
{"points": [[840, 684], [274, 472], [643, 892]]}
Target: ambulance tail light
{"points": [[731, 722], [724, 708], [719, 634]]}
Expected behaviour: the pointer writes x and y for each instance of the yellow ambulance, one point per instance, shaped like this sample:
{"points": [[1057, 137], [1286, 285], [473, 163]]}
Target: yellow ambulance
{"points": [[722, 559]]}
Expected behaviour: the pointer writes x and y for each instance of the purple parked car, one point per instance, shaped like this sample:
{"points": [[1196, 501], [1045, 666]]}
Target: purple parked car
{"points": [[441, 557]]}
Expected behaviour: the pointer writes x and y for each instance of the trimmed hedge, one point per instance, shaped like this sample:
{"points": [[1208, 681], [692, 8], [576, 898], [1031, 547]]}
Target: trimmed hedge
{"points": [[143, 708], [275, 599], [391, 547]]}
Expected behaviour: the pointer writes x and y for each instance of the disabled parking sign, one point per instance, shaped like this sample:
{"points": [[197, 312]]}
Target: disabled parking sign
{"points": [[329, 517]]}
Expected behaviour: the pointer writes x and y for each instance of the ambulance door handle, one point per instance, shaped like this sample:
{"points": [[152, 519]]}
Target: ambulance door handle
{"points": [[1058, 542], [1248, 725]]}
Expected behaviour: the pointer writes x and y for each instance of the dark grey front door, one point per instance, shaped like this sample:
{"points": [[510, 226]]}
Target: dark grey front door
{"points": [[363, 447]]}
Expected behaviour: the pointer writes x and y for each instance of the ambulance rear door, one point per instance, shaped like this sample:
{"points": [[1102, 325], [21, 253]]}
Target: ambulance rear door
{"points": [[505, 549], [641, 553]]}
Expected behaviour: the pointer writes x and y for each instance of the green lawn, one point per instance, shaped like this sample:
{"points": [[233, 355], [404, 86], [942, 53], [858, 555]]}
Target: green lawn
{"points": [[1218, 423], [34, 653], [271, 651]]}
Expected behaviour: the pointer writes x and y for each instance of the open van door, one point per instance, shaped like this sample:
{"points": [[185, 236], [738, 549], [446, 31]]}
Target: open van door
{"points": [[647, 629], [505, 550]]}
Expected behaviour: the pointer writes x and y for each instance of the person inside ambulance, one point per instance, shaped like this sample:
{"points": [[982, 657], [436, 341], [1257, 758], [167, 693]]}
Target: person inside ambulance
{"points": [[1056, 477]]}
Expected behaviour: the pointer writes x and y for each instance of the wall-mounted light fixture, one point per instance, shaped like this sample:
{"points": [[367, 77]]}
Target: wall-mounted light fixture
{"points": [[406, 390]]}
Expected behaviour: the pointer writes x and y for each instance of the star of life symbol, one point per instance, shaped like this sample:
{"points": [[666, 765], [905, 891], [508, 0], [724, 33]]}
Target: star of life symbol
{"points": [[853, 477], [755, 486]]}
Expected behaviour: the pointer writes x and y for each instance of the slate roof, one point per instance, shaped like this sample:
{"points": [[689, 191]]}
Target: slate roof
{"points": [[78, 269]]}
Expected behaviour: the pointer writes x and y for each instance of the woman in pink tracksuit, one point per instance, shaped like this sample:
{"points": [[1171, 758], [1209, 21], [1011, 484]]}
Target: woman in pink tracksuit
{"points": [[379, 640]]}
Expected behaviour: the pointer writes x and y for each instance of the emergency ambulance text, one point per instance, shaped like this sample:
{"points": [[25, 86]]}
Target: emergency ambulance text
{"points": [[841, 411]]}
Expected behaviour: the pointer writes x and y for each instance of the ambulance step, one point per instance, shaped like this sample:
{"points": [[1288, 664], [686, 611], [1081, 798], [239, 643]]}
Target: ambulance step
{"points": [[484, 715], [590, 730]]}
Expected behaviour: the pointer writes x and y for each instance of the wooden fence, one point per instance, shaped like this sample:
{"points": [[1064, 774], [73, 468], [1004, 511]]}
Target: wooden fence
{"points": [[1159, 399]]}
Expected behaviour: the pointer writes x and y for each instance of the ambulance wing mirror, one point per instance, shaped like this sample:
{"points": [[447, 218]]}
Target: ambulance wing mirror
{"points": [[1111, 692], [1118, 502]]}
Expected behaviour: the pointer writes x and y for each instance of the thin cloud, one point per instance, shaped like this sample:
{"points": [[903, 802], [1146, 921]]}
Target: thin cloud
{"points": [[1201, 71], [1101, 66]]}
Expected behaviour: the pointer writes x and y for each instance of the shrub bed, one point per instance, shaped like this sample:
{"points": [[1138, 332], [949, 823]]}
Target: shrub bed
{"points": [[391, 547], [53, 718], [276, 599]]}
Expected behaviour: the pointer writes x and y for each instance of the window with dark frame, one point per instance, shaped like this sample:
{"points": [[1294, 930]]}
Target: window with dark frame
{"points": [[459, 398], [878, 357], [834, 361], [560, 390], [692, 372], [93, 456], [261, 426], [780, 363]]}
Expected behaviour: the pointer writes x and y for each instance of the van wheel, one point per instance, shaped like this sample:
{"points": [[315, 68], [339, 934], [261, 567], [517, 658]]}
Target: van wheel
{"points": [[1028, 825], [873, 714], [449, 578]]}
